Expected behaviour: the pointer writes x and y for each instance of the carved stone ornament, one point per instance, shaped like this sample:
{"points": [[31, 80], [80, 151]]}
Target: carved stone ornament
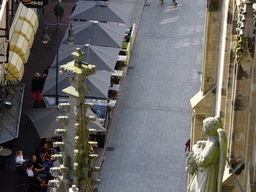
{"points": [[207, 160]]}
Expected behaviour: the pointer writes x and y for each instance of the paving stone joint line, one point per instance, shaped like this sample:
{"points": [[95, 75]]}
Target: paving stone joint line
{"points": [[168, 36], [163, 108]]}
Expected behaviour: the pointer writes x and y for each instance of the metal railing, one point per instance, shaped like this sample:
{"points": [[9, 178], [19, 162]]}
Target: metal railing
{"points": [[7, 99]]}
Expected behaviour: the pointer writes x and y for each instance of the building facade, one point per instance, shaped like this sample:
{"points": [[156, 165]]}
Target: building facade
{"points": [[18, 26], [228, 87]]}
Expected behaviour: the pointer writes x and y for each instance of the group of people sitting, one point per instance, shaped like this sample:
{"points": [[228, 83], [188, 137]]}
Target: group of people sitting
{"points": [[38, 166]]}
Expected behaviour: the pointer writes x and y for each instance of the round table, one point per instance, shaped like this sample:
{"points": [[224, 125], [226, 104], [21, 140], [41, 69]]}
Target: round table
{"points": [[5, 152]]}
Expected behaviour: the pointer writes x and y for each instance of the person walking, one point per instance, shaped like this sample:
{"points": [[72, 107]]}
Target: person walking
{"points": [[59, 11], [45, 74], [174, 1], [46, 71], [36, 88], [73, 8], [187, 147]]}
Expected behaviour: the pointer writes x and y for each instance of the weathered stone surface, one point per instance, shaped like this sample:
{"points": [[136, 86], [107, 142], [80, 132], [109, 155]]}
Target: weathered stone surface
{"points": [[208, 158]]}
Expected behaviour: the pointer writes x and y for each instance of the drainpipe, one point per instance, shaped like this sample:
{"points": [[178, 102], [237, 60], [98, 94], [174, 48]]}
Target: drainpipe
{"points": [[221, 59]]}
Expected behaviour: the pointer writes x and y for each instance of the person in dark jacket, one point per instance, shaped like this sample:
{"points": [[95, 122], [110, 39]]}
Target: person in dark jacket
{"points": [[45, 74], [46, 71], [32, 178], [36, 88], [41, 170], [72, 10], [59, 11], [175, 2], [187, 146]]}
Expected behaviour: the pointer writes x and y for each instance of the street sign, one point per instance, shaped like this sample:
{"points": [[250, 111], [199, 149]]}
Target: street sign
{"points": [[34, 3]]}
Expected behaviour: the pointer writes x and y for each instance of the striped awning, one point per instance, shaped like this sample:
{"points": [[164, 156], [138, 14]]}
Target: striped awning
{"points": [[15, 67], [20, 45], [30, 16], [25, 29]]}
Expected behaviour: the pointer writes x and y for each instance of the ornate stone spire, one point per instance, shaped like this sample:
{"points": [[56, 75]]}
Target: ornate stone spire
{"points": [[75, 160]]}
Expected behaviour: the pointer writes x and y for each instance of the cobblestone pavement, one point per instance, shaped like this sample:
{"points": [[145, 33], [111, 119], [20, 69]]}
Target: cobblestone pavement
{"points": [[153, 117]]}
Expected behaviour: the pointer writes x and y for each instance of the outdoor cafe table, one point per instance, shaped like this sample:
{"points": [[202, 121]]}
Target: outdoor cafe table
{"points": [[115, 87], [111, 103], [117, 73], [3, 153], [122, 58]]}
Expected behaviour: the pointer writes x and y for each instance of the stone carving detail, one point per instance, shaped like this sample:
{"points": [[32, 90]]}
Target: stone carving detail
{"points": [[207, 160], [61, 145], [57, 156], [61, 131], [64, 119], [65, 106], [75, 171]]}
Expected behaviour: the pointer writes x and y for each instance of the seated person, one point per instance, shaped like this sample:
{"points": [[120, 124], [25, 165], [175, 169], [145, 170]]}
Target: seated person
{"points": [[49, 148], [19, 158], [33, 179], [46, 156], [40, 169], [19, 164], [47, 140], [45, 159]]}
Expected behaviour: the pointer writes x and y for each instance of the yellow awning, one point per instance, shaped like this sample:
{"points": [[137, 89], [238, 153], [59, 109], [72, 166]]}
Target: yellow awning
{"points": [[19, 45], [22, 27], [15, 67], [30, 16]]}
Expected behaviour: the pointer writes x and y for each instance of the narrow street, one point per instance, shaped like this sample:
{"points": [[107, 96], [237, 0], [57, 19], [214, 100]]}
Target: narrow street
{"points": [[152, 121]]}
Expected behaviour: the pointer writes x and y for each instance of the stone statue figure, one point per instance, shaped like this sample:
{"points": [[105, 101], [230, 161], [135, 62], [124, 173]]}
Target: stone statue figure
{"points": [[207, 160]]}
